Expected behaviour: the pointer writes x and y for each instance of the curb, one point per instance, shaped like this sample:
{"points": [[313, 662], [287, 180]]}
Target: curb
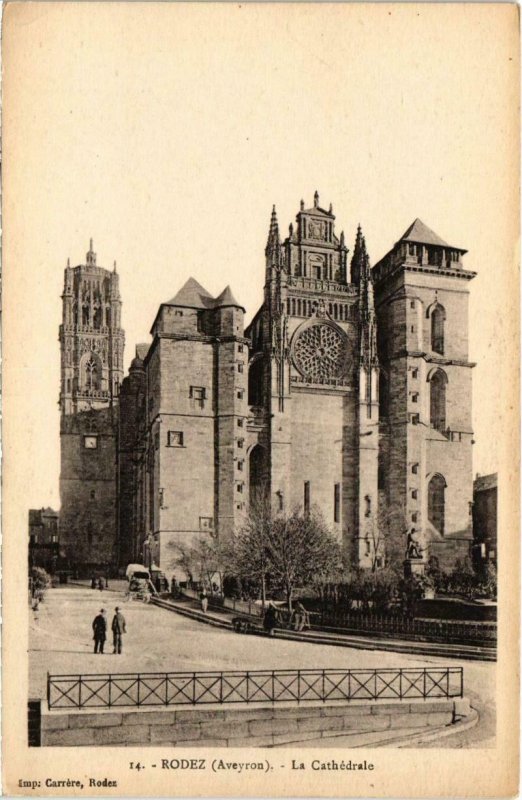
{"points": [[358, 643]]}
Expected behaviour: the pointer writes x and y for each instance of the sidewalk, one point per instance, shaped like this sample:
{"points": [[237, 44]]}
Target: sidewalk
{"points": [[223, 619]]}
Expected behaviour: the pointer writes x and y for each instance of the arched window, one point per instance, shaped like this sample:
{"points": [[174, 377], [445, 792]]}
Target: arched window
{"points": [[437, 329], [91, 372], [438, 383], [436, 502], [92, 378], [258, 475]]}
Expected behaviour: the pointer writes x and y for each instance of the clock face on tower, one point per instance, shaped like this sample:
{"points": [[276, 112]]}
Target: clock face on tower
{"points": [[319, 353]]}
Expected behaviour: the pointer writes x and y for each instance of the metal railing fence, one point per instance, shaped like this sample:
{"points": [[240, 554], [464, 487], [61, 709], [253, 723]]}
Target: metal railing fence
{"points": [[298, 685]]}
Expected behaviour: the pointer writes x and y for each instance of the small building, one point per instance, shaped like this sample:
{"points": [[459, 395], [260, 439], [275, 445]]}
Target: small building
{"points": [[485, 519], [44, 540]]}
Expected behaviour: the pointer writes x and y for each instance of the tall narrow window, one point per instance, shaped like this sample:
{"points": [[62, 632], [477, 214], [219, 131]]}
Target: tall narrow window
{"points": [[198, 394], [337, 502], [307, 497], [437, 329], [438, 383], [384, 395], [436, 503]]}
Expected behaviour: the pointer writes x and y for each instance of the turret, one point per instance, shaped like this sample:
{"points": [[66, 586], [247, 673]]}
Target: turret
{"points": [[90, 258], [358, 257], [273, 248], [368, 331]]}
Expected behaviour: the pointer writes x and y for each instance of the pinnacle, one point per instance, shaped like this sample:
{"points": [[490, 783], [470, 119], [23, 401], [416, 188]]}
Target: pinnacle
{"points": [[273, 231]]}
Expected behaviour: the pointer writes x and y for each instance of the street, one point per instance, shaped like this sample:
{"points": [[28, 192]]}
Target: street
{"points": [[159, 640]]}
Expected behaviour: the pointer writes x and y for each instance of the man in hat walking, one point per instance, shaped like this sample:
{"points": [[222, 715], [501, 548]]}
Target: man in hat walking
{"points": [[118, 628], [99, 626]]}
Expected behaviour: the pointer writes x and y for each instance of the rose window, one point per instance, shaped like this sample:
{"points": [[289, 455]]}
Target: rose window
{"points": [[319, 353]]}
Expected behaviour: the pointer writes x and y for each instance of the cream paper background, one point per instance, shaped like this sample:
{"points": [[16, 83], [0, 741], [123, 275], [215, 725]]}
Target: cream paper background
{"points": [[166, 131]]}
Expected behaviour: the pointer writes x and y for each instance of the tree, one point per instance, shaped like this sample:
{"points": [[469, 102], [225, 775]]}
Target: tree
{"points": [[378, 532], [249, 554], [202, 559], [291, 550]]}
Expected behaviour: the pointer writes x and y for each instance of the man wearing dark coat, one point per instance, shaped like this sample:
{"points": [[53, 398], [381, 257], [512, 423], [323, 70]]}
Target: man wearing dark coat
{"points": [[99, 626], [118, 628]]}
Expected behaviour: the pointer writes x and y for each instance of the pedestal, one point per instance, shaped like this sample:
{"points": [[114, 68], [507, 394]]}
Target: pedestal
{"points": [[414, 566]]}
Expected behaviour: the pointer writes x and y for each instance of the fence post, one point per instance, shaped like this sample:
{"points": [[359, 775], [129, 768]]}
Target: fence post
{"points": [[193, 688], [324, 691], [298, 685], [400, 684], [80, 692], [247, 688], [48, 690], [138, 697]]}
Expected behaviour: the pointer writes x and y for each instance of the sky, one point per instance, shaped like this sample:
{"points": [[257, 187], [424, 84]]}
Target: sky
{"points": [[167, 131]]}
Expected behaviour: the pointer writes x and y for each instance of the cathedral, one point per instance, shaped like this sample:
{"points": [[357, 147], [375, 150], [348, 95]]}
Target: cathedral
{"points": [[349, 392]]}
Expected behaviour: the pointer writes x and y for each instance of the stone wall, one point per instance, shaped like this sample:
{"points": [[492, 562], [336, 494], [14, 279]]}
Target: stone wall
{"points": [[242, 727], [88, 528]]}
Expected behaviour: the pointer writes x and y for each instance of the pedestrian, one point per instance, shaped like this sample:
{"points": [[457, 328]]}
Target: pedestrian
{"points": [[118, 629], [270, 619], [101, 584], [99, 626], [93, 581], [300, 616], [204, 601]]}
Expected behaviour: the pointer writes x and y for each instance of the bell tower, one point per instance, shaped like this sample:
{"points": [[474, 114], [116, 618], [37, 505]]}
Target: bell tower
{"points": [[91, 351], [91, 339]]}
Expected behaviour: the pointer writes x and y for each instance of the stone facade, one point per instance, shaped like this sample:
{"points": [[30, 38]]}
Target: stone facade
{"points": [[425, 405], [91, 346], [183, 425], [332, 398], [350, 391]]}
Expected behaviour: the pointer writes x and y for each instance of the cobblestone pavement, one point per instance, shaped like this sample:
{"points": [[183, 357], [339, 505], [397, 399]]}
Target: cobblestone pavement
{"points": [[158, 640]]}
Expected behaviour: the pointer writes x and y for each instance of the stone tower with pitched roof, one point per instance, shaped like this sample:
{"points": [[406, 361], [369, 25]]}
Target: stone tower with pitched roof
{"points": [[189, 455], [421, 290]]}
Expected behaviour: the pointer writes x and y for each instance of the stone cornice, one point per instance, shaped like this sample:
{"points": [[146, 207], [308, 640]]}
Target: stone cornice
{"points": [[187, 337]]}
